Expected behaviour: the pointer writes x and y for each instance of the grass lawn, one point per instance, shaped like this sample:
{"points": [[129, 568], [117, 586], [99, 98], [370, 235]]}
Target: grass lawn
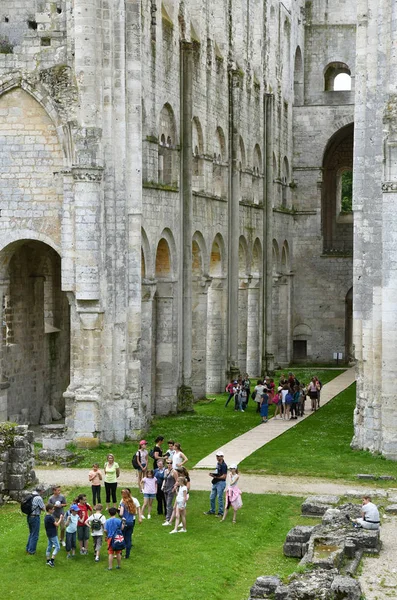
{"points": [[213, 560], [320, 447], [207, 428]]}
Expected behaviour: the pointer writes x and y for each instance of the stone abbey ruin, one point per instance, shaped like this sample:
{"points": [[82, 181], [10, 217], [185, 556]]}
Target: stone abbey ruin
{"points": [[178, 185]]}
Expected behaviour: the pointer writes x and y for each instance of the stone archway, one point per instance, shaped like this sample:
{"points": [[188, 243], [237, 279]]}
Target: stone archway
{"points": [[35, 340]]}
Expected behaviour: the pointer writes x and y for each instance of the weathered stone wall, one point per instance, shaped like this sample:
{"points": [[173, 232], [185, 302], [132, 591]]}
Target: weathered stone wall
{"points": [[171, 153], [16, 460]]}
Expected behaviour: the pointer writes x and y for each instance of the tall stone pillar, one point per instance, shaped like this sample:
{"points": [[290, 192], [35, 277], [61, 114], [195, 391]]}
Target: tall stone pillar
{"points": [[242, 323], [233, 221], [4, 385], [185, 395], [200, 328], [216, 335], [254, 329], [166, 384], [148, 346], [267, 350]]}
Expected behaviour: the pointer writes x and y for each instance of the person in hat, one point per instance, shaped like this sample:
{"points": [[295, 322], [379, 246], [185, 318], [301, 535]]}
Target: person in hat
{"points": [[33, 519], [218, 485], [233, 493]]}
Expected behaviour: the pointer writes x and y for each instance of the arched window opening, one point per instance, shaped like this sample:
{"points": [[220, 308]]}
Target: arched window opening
{"points": [[167, 158], [337, 77], [337, 186], [257, 184], [298, 78], [219, 172], [198, 153], [163, 260], [285, 183]]}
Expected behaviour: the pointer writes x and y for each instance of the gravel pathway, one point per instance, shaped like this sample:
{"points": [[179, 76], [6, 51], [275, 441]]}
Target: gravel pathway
{"points": [[379, 575], [255, 484]]}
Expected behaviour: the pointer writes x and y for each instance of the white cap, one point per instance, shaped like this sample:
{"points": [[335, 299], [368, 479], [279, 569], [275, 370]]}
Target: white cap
{"points": [[233, 466], [220, 453]]}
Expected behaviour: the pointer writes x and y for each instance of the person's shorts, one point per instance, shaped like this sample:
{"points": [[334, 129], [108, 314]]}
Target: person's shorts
{"points": [[149, 496], [97, 541], [110, 549], [83, 533], [143, 467], [181, 505]]}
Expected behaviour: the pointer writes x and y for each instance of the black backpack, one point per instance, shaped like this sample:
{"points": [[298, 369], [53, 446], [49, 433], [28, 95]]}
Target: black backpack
{"points": [[135, 461], [26, 504], [96, 523]]}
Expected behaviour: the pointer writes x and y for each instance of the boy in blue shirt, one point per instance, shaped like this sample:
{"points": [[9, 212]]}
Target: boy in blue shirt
{"points": [[111, 526], [51, 525]]}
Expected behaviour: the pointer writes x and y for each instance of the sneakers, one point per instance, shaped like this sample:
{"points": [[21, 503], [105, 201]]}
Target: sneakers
{"points": [[219, 515], [149, 516], [97, 559], [166, 524], [182, 531], [63, 543], [180, 525], [50, 562], [174, 531], [143, 517], [209, 512]]}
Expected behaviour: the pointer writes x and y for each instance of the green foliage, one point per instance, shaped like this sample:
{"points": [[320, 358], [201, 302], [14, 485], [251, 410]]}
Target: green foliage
{"points": [[347, 192], [5, 46], [212, 560], [320, 447], [7, 434]]}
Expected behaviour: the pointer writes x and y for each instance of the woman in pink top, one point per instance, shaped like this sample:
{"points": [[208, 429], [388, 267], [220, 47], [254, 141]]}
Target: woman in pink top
{"points": [[149, 491], [95, 478]]}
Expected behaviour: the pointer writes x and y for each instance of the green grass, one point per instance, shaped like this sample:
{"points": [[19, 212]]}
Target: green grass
{"points": [[320, 447], [200, 432], [213, 560]]}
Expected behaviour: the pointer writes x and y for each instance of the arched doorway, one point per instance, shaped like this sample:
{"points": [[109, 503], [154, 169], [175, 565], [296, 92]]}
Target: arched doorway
{"points": [[35, 341]]}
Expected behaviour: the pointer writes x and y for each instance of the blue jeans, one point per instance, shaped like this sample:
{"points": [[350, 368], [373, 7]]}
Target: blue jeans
{"points": [[34, 530], [53, 545], [217, 490], [127, 533]]}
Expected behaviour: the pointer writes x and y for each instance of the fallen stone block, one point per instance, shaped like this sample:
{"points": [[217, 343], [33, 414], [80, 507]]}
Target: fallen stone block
{"points": [[391, 509], [346, 588], [264, 586]]}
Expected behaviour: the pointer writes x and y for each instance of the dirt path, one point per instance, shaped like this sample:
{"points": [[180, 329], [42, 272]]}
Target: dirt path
{"points": [[379, 575], [255, 484]]}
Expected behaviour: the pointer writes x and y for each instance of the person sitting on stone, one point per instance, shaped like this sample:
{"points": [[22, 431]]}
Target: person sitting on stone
{"points": [[370, 515]]}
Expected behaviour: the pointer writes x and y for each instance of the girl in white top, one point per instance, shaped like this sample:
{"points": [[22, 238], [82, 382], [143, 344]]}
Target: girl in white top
{"points": [[181, 500], [178, 458]]}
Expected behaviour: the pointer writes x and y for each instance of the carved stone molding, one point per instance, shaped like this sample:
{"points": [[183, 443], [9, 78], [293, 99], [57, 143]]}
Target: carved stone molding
{"points": [[88, 174], [389, 187]]}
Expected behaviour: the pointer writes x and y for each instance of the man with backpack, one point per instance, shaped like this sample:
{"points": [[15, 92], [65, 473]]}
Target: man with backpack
{"points": [[32, 506]]}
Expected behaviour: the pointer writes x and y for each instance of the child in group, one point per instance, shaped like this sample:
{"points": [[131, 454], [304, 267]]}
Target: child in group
{"points": [[95, 478], [149, 491], [71, 523], [181, 499], [277, 402], [171, 450], [51, 525], [128, 511], [111, 526], [264, 407], [83, 531], [142, 460], [59, 501], [233, 494], [159, 475], [96, 522]]}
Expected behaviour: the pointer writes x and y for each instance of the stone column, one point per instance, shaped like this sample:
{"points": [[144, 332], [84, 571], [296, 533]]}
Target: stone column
{"points": [[254, 329], [4, 385], [267, 350], [166, 384], [242, 322], [200, 328], [148, 346], [185, 396], [216, 336], [234, 223]]}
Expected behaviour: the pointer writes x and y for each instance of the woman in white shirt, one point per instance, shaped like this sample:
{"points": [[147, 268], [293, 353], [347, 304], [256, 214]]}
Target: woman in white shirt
{"points": [[178, 458]]}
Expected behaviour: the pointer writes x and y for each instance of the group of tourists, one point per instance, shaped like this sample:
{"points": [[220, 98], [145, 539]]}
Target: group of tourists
{"points": [[289, 396], [168, 482]]}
